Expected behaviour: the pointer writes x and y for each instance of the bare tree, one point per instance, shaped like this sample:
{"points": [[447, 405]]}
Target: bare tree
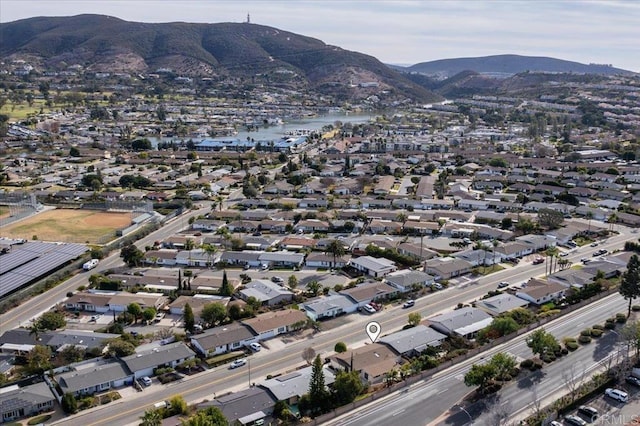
{"points": [[536, 402], [498, 414], [572, 379], [308, 354]]}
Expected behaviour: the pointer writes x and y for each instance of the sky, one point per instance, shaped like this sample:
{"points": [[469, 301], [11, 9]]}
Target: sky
{"points": [[403, 31]]}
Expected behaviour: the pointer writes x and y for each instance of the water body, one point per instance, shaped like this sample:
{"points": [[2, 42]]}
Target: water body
{"points": [[276, 132]]}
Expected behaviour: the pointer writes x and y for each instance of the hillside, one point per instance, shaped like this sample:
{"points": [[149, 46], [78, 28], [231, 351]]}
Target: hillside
{"points": [[103, 43], [509, 65]]}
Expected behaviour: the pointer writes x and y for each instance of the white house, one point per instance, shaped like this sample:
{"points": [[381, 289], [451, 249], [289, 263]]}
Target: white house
{"points": [[329, 307], [407, 278], [226, 338], [375, 267]]}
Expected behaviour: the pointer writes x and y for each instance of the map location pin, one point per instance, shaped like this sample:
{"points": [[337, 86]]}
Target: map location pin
{"points": [[373, 330]]}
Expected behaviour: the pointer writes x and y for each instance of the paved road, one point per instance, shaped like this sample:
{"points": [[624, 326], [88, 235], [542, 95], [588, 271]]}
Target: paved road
{"points": [[425, 402], [37, 305], [201, 386]]}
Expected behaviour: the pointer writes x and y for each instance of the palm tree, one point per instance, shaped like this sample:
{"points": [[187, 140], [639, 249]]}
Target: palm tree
{"points": [[219, 201], [35, 329], [495, 244], [612, 221], [589, 216], [335, 248], [210, 249], [551, 252]]}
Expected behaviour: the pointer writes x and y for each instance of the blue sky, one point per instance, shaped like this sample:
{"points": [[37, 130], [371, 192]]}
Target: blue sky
{"points": [[403, 31]]}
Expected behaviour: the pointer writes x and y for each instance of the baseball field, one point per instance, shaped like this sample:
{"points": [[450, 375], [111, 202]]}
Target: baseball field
{"points": [[69, 225]]}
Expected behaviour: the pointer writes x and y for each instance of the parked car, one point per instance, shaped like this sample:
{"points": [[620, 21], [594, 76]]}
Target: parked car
{"points": [[277, 280], [574, 420], [632, 380], [159, 316], [437, 286], [408, 304], [369, 309], [538, 260], [256, 347], [594, 244], [617, 394], [589, 412], [146, 380], [237, 363], [555, 423], [246, 267], [503, 284]]}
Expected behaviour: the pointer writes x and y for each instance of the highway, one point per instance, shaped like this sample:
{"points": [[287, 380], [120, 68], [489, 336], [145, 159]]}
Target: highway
{"points": [[425, 402]]}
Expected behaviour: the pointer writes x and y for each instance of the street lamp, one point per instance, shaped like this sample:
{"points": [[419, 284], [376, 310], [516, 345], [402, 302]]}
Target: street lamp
{"points": [[249, 364], [461, 408]]}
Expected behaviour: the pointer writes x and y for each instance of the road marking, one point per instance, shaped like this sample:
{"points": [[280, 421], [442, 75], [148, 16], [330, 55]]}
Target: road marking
{"points": [[397, 413], [442, 391]]}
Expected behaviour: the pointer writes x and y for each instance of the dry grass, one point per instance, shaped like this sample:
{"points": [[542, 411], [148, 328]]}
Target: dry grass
{"points": [[67, 225]]}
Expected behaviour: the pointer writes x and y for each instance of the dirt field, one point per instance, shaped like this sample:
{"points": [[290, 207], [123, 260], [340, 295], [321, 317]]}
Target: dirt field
{"points": [[78, 226]]}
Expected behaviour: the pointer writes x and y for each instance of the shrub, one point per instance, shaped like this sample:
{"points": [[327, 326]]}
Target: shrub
{"points": [[621, 318], [572, 346], [527, 363], [568, 339], [596, 333], [598, 327], [635, 308], [564, 351], [586, 332], [537, 364], [609, 325], [584, 339]]}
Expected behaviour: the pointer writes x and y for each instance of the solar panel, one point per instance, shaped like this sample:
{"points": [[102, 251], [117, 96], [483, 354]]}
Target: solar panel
{"points": [[33, 260]]}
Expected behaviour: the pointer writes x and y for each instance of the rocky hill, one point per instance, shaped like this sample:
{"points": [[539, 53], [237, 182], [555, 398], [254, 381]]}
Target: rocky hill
{"points": [[103, 43]]}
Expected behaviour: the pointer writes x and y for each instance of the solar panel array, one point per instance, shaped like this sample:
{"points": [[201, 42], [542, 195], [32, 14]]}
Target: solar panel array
{"points": [[27, 262]]}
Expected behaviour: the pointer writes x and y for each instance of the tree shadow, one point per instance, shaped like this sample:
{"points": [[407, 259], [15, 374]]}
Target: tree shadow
{"points": [[605, 345], [532, 379]]}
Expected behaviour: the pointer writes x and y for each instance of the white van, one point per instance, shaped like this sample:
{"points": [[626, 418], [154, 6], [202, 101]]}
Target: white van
{"points": [[90, 264]]}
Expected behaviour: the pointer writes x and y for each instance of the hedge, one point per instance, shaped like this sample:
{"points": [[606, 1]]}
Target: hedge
{"points": [[584, 339]]}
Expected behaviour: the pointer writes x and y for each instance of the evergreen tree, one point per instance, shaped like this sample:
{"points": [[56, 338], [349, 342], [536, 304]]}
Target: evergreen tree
{"points": [[630, 283], [318, 394], [226, 289], [189, 318]]}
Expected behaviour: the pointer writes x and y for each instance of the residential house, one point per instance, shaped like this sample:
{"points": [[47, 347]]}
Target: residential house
{"points": [[291, 386], [537, 242], [272, 324], [372, 362], [223, 339], [384, 185], [311, 226], [196, 257], [244, 407], [283, 259], [380, 226], [207, 225], [513, 250], [322, 260], [368, 292], [413, 341], [241, 258], [500, 304], [94, 377], [416, 251], [297, 243], [540, 292], [162, 257], [406, 279], [444, 268], [267, 292], [329, 307], [17, 402], [464, 322], [143, 363], [375, 267], [478, 257]]}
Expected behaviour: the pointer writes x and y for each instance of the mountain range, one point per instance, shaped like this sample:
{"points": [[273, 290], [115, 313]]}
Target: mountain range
{"points": [[250, 53], [237, 50], [504, 65]]}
